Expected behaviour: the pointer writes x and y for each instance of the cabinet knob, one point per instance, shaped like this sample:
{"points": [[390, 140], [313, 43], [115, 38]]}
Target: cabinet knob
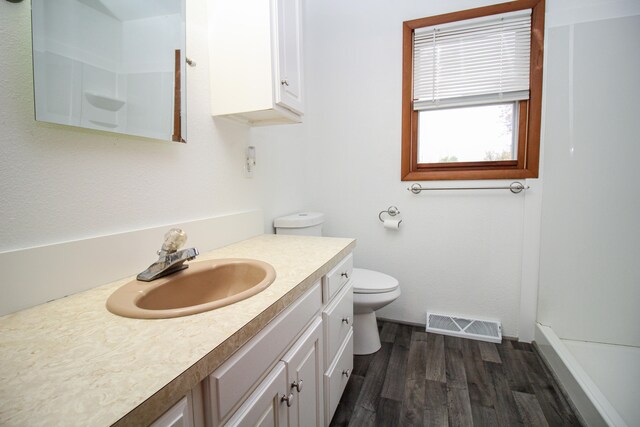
{"points": [[346, 372], [297, 385], [288, 399], [284, 82], [345, 274], [346, 320]]}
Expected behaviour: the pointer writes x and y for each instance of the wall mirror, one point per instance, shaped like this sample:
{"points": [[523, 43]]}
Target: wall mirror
{"points": [[112, 65]]}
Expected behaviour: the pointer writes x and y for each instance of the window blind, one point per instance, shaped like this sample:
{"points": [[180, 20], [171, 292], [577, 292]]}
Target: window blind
{"points": [[470, 62]]}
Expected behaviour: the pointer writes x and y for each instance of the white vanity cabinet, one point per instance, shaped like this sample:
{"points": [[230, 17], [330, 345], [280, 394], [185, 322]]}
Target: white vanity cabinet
{"points": [[227, 389], [291, 373], [255, 60], [292, 394]]}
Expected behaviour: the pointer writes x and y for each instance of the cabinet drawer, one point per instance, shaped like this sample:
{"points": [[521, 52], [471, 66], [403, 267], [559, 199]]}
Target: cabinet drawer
{"points": [[336, 278], [338, 320], [230, 382], [335, 380]]}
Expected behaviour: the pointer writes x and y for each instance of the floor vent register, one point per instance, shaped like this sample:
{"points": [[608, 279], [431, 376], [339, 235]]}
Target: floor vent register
{"points": [[483, 330]]}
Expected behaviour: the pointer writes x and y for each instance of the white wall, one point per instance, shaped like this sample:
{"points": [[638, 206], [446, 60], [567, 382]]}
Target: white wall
{"points": [[454, 252], [473, 253], [61, 183], [281, 170], [589, 270]]}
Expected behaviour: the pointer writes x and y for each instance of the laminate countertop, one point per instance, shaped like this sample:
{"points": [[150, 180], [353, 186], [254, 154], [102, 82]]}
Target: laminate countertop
{"points": [[72, 362]]}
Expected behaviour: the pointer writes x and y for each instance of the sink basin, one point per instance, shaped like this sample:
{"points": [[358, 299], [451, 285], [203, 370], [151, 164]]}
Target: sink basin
{"points": [[204, 286]]}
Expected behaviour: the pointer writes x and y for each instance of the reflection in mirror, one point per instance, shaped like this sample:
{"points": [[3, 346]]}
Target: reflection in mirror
{"points": [[112, 65]]}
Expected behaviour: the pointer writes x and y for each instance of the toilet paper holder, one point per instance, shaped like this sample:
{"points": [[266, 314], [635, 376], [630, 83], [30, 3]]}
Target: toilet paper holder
{"points": [[392, 211]]}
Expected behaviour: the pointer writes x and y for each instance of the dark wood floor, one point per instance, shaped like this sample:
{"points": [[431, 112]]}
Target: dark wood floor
{"points": [[420, 379]]}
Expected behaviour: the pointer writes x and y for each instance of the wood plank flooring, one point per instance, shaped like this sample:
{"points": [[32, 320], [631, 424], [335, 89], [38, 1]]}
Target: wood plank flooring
{"points": [[420, 379]]}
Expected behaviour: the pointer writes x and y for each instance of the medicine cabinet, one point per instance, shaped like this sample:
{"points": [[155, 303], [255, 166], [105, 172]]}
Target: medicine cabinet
{"points": [[111, 65]]}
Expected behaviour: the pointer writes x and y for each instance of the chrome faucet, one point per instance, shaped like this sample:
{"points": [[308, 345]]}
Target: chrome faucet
{"points": [[170, 259]]}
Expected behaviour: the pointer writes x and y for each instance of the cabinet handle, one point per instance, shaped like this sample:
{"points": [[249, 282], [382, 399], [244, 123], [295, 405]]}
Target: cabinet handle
{"points": [[284, 82], [297, 385], [346, 372], [346, 320], [345, 274], [288, 399]]}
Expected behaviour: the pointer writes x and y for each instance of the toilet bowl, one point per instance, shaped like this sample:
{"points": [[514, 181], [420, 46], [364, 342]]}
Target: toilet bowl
{"points": [[372, 290]]}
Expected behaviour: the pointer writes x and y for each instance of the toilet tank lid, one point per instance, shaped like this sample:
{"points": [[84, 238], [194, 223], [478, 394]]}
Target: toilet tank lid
{"points": [[299, 220], [372, 282]]}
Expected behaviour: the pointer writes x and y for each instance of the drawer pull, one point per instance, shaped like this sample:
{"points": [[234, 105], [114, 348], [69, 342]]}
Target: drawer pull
{"points": [[297, 385], [345, 274], [346, 372], [288, 399], [346, 320]]}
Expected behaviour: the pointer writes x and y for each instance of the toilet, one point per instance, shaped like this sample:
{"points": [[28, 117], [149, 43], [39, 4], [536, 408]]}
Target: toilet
{"points": [[372, 290]]}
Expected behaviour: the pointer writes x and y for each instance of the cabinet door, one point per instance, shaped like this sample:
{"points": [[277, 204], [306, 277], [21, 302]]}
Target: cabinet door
{"points": [[288, 84], [265, 407], [304, 374], [180, 415]]}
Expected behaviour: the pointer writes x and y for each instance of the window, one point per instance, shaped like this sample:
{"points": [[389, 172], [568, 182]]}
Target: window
{"points": [[472, 92]]}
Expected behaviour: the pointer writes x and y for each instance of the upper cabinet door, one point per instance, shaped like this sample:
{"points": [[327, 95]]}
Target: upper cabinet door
{"points": [[288, 92]]}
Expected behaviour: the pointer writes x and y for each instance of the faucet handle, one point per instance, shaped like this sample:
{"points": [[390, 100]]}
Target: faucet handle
{"points": [[174, 239]]}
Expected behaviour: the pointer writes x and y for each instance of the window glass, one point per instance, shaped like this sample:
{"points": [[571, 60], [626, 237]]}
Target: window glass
{"points": [[467, 134]]}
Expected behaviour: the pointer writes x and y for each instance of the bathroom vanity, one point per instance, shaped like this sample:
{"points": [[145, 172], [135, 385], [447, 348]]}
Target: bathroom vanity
{"points": [[281, 356], [308, 375]]}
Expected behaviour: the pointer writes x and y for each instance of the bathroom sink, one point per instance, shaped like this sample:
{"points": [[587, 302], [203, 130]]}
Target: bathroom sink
{"points": [[204, 286]]}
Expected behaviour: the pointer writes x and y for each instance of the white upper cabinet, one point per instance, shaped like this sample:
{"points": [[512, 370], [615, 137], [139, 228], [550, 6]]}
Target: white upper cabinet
{"points": [[255, 60], [289, 82]]}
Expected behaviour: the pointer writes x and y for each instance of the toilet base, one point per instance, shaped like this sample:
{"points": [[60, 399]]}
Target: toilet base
{"points": [[366, 339]]}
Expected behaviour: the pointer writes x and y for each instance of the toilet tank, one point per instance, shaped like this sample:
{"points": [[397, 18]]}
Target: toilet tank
{"points": [[300, 224]]}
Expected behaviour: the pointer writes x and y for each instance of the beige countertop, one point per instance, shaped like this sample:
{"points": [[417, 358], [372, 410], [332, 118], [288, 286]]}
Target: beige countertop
{"points": [[71, 362]]}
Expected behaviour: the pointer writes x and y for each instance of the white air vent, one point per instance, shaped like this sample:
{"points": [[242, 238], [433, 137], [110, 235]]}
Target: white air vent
{"points": [[483, 330]]}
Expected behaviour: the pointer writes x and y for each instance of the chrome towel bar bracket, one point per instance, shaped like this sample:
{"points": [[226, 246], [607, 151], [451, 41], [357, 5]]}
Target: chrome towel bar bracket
{"points": [[515, 187]]}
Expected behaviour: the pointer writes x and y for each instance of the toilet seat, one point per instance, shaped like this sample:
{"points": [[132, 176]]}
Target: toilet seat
{"points": [[372, 282]]}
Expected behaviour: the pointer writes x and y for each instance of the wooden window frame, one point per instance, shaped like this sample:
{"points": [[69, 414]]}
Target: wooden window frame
{"points": [[529, 111]]}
